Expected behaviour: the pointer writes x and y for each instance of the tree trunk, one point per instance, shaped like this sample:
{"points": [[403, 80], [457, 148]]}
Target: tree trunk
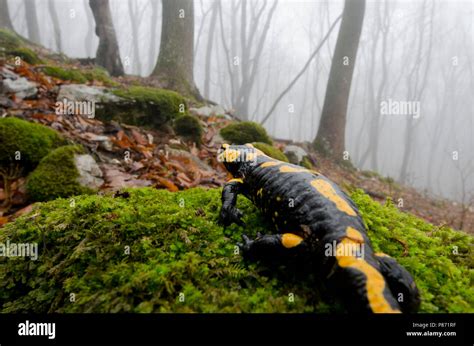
{"points": [[331, 132], [133, 13], [175, 65], [90, 30], [57, 29], [210, 42], [153, 47], [5, 21], [108, 54], [32, 21]]}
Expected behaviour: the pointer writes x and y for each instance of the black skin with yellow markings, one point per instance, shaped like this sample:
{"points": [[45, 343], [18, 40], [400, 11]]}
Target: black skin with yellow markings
{"points": [[311, 213]]}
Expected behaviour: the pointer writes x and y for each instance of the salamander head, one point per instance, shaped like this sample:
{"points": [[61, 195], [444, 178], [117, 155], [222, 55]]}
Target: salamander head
{"points": [[238, 159]]}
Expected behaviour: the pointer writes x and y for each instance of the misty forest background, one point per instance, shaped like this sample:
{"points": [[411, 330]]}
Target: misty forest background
{"points": [[271, 61]]}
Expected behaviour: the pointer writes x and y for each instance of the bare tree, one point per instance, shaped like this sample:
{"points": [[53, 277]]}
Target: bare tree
{"points": [[210, 42], [154, 25], [32, 21], [57, 29], [5, 21], [333, 118], [108, 54], [416, 84], [135, 18], [175, 65], [305, 67]]}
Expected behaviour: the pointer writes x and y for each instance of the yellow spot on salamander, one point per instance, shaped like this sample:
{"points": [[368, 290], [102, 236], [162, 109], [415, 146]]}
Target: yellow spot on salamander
{"points": [[278, 198], [375, 283], [354, 235], [276, 214], [260, 192], [270, 164], [290, 169], [328, 191], [381, 254], [238, 180], [290, 240]]}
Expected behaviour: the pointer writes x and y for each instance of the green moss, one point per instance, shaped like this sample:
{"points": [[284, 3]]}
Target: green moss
{"points": [[138, 251], [25, 143], [271, 151], [10, 40], [26, 54], [56, 176], [188, 127], [99, 74], [80, 76], [167, 98], [65, 74], [306, 163], [13, 45], [144, 106], [245, 132]]}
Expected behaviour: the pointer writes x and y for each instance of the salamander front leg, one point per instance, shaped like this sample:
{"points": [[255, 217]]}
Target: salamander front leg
{"points": [[229, 213], [272, 246]]}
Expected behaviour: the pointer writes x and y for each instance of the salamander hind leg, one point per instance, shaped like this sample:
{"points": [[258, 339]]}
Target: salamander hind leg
{"points": [[357, 276], [401, 283]]}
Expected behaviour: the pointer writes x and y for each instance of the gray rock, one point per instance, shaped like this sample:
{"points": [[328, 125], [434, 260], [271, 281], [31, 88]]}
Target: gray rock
{"points": [[21, 87], [207, 111], [295, 154], [90, 174], [81, 92], [8, 74]]}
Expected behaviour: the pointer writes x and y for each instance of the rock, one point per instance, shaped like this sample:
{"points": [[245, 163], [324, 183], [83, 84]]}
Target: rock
{"points": [[207, 111], [6, 73], [21, 87], [295, 154], [81, 92], [90, 174]]}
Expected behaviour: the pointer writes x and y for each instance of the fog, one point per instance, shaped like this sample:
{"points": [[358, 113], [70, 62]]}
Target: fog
{"points": [[427, 47]]}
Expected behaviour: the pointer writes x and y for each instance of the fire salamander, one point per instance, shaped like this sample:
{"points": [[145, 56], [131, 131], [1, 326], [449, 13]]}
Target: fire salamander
{"points": [[314, 217]]}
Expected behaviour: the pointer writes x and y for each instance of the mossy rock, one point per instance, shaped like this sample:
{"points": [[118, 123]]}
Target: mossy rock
{"points": [[80, 76], [10, 40], [13, 45], [189, 127], [245, 132], [73, 75], [56, 176], [143, 106], [137, 251], [25, 143], [26, 54], [271, 151]]}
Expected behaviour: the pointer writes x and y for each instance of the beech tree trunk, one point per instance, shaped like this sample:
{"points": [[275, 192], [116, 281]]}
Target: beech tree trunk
{"points": [[175, 65], [108, 54], [330, 138], [5, 21], [57, 29], [32, 21]]}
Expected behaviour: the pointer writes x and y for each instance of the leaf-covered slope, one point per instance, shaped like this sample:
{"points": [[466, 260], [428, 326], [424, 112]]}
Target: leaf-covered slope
{"points": [[140, 250]]}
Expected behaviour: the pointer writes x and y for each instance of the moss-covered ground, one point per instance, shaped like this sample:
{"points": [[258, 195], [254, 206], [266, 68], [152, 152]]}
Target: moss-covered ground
{"points": [[147, 250]]}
